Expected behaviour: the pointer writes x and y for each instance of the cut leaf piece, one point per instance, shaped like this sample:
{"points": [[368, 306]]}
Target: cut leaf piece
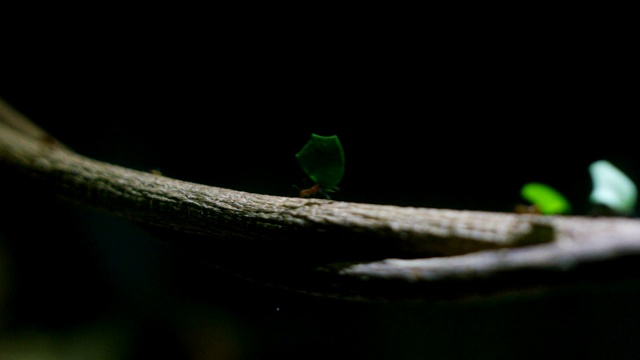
{"points": [[322, 159], [612, 188], [547, 199]]}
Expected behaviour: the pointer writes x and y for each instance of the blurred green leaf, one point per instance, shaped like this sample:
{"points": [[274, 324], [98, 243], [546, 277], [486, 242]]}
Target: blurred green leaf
{"points": [[612, 188], [322, 159], [547, 199]]}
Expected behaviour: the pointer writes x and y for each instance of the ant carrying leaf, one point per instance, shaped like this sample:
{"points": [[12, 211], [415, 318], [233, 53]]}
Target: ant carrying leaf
{"points": [[544, 200], [322, 159]]}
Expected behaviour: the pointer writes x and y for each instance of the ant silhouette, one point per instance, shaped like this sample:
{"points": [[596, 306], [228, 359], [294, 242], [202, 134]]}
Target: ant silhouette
{"points": [[315, 191]]}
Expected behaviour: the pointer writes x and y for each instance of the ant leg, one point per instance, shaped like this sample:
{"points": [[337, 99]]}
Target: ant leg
{"points": [[324, 194]]}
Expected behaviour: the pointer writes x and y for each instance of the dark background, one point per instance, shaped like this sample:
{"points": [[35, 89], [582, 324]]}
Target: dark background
{"points": [[425, 121]]}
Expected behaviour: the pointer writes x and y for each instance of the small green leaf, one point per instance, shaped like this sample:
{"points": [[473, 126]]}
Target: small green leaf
{"points": [[546, 198], [322, 159], [612, 188]]}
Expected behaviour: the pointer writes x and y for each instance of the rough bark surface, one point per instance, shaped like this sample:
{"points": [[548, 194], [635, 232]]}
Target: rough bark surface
{"points": [[354, 249]]}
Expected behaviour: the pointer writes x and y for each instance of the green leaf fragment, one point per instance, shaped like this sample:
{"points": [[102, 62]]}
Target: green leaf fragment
{"points": [[547, 199], [322, 159], [612, 187]]}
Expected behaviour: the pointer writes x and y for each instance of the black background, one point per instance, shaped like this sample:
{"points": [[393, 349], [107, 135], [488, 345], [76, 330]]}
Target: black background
{"points": [[449, 122]]}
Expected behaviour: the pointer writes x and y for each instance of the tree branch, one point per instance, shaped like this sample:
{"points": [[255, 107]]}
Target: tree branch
{"points": [[316, 245]]}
